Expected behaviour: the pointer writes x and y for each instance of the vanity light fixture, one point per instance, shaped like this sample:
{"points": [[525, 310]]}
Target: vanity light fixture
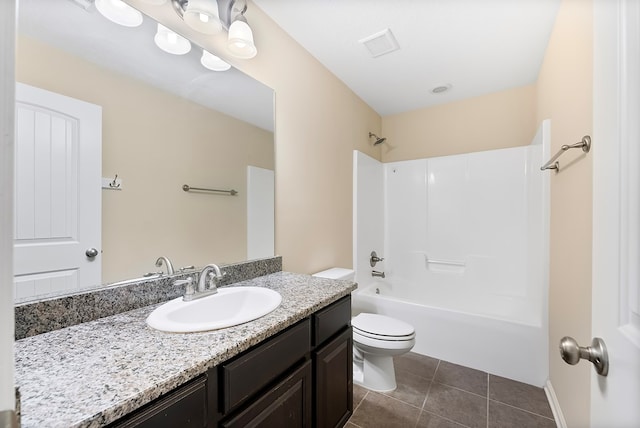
{"points": [[119, 12], [213, 62], [171, 42], [241, 43], [203, 16]]}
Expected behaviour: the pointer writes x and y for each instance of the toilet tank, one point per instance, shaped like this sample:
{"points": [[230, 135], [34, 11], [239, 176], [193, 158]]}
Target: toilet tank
{"points": [[337, 273]]}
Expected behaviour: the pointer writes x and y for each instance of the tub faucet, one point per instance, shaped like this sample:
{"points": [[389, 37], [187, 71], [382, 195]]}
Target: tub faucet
{"points": [[167, 263], [374, 259], [378, 274]]}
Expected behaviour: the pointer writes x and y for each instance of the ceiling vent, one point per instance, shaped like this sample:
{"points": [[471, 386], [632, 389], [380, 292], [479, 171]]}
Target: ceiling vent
{"points": [[380, 43]]}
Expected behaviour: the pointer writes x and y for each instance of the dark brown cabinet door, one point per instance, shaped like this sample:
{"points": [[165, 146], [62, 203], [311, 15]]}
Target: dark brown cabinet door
{"points": [[287, 405], [334, 381], [251, 372]]}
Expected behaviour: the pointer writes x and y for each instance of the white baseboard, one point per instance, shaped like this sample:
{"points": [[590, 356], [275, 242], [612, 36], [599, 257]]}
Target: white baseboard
{"points": [[555, 405]]}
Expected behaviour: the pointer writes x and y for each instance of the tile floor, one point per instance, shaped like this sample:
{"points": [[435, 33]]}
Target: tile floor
{"points": [[437, 394]]}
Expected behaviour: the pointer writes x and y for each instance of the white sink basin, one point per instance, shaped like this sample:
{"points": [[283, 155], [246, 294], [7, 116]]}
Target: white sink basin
{"points": [[230, 306]]}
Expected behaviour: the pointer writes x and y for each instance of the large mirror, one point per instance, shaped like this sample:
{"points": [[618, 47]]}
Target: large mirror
{"points": [[166, 122]]}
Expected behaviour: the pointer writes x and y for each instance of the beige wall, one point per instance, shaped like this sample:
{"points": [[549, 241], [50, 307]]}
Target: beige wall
{"points": [[156, 142], [565, 96], [319, 122], [494, 121]]}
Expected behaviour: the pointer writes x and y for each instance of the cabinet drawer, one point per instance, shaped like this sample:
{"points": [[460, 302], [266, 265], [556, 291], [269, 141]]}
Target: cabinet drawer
{"points": [[330, 320], [288, 404], [186, 407], [254, 370]]}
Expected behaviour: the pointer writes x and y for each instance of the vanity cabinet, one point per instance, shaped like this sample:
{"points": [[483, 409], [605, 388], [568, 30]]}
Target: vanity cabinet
{"points": [[301, 377], [187, 406], [287, 404], [244, 376], [333, 365]]}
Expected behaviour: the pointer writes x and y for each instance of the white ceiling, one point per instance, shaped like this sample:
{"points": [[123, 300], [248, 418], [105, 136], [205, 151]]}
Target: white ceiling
{"points": [[477, 46], [131, 51]]}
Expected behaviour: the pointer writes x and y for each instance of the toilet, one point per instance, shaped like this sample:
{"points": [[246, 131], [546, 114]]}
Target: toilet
{"points": [[376, 340]]}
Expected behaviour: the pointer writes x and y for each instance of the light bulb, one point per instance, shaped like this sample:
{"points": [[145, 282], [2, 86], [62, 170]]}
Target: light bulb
{"points": [[119, 12], [213, 62], [202, 16], [240, 42], [171, 42]]}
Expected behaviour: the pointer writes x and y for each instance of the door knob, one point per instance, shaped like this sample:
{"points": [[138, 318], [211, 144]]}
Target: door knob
{"points": [[91, 253], [571, 353]]}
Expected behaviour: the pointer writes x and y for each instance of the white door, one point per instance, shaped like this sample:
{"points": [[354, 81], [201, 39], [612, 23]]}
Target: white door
{"points": [[260, 212], [57, 193], [615, 399]]}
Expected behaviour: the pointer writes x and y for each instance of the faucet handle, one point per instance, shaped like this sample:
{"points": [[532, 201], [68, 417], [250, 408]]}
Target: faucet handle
{"points": [[213, 279], [374, 259], [190, 290]]}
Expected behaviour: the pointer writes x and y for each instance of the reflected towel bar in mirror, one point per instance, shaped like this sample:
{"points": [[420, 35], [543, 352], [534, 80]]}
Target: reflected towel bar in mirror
{"points": [[188, 188]]}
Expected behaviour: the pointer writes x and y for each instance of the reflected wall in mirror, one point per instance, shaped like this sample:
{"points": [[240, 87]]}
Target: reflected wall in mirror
{"points": [[166, 122]]}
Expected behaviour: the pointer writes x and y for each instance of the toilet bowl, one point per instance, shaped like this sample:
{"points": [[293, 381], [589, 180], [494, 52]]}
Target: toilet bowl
{"points": [[376, 340]]}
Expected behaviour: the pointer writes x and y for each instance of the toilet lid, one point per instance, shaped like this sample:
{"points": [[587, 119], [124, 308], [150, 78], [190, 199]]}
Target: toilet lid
{"points": [[380, 325]]}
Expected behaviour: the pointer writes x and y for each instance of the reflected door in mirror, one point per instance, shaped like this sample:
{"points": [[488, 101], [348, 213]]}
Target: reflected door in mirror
{"points": [[57, 192]]}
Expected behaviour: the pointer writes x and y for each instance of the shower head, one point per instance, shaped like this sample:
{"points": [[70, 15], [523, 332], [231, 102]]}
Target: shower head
{"points": [[378, 139]]}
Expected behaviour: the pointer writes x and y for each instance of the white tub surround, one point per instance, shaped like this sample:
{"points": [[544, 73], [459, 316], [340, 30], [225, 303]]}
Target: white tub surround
{"points": [[465, 242]]}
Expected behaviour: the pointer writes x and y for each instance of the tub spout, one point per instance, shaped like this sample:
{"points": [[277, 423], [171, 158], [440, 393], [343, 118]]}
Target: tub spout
{"points": [[378, 274]]}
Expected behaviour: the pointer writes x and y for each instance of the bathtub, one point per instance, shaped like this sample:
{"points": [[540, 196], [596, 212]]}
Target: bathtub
{"points": [[501, 335]]}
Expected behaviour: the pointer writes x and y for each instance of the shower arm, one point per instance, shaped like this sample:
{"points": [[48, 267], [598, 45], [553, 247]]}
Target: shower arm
{"points": [[379, 140]]}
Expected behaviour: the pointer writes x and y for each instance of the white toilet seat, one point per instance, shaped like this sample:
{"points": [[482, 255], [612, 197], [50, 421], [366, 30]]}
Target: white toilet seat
{"points": [[383, 337], [382, 332], [382, 327], [370, 344]]}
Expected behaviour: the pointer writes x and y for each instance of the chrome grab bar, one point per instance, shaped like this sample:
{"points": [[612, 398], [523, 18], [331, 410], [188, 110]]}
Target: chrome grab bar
{"points": [[584, 144], [188, 188], [444, 262]]}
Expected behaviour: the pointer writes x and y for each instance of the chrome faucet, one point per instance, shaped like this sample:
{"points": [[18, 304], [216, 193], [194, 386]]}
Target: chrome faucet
{"points": [[209, 277], [167, 263], [378, 274], [207, 283]]}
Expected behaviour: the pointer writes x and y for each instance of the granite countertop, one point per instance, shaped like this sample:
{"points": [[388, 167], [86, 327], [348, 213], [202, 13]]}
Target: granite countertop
{"points": [[91, 374]]}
